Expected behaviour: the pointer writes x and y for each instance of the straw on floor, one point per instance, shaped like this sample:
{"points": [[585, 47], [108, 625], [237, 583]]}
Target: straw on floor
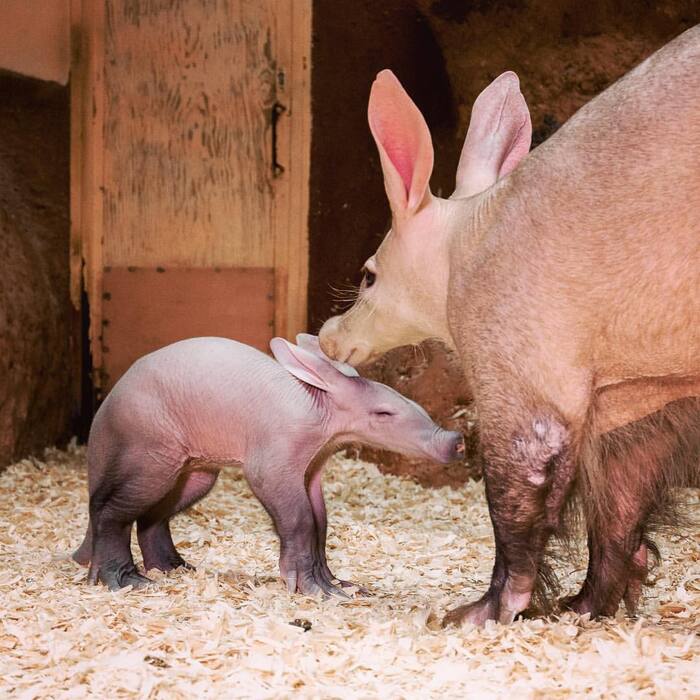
{"points": [[231, 630]]}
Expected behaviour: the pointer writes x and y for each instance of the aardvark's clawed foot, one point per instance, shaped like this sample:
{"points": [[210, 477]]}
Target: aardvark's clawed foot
{"points": [[313, 578], [476, 613], [502, 603], [359, 590], [116, 575], [166, 563]]}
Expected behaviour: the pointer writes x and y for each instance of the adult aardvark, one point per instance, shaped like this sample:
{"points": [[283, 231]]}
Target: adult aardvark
{"points": [[568, 282]]}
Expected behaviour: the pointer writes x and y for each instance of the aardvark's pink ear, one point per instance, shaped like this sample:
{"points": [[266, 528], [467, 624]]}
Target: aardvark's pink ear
{"points": [[404, 144], [498, 138], [315, 370]]}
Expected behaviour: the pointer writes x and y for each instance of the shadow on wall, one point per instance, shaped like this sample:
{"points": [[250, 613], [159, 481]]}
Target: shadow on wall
{"points": [[445, 52], [37, 331]]}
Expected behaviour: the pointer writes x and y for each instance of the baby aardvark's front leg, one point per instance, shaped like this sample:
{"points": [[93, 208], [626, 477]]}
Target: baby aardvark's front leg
{"points": [[529, 470], [284, 495], [318, 505]]}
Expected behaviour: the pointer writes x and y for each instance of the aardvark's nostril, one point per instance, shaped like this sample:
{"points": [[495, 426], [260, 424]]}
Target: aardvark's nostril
{"points": [[329, 347], [460, 447]]}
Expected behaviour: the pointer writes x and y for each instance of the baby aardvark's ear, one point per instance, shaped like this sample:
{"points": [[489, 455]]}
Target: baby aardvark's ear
{"points": [[312, 369]]}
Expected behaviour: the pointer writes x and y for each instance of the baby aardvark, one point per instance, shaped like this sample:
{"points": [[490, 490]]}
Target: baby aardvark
{"points": [[182, 413]]}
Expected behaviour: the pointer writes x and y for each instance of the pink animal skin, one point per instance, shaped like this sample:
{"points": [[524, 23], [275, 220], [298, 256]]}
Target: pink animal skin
{"points": [[567, 280], [181, 414]]}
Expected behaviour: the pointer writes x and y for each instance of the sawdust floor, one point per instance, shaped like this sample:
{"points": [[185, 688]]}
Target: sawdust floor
{"points": [[225, 630]]}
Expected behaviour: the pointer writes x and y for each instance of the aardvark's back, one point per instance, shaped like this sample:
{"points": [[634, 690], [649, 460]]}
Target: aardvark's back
{"points": [[609, 209]]}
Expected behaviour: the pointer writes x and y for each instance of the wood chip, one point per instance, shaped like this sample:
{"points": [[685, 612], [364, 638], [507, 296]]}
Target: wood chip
{"points": [[230, 629]]}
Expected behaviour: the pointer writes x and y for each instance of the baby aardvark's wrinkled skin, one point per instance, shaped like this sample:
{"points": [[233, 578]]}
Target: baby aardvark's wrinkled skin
{"points": [[568, 283], [182, 413]]}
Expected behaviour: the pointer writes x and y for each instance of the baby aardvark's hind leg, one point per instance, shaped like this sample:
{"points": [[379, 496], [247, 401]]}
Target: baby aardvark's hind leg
{"points": [[125, 485], [111, 519], [157, 546], [153, 528], [83, 554]]}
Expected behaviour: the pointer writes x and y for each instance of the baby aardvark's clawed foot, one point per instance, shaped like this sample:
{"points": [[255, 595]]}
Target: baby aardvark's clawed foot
{"points": [[330, 576], [359, 590], [117, 575], [309, 577], [167, 562]]}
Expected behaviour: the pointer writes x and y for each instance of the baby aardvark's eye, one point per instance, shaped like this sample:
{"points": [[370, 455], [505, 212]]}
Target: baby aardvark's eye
{"points": [[384, 414], [369, 279]]}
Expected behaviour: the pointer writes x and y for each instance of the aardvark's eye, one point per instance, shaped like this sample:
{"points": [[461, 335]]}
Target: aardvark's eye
{"points": [[384, 414], [369, 279]]}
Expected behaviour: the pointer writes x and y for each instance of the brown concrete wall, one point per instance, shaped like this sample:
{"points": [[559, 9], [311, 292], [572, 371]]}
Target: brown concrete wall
{"points": [[38, 367], [445, 52]]}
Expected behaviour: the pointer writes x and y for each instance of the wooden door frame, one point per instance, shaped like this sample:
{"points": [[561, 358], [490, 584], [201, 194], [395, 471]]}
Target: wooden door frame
{"points": [[86, 163], [291, 214], [291, 201]]}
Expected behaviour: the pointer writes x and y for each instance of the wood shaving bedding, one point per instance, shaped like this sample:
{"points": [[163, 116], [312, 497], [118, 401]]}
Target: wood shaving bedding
{"points": [[230, 629]]}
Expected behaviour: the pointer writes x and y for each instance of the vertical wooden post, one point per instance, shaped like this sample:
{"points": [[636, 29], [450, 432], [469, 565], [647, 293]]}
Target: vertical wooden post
{"points": [[77, 82], [87, 117], [294, 148]]}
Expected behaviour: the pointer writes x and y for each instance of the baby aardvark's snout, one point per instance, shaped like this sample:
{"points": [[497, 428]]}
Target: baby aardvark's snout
{"points": [[449, 446]]}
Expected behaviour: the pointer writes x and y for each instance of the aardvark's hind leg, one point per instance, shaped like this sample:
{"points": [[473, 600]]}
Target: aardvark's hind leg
{"points": [[111, 561], [153, 528], [635, 460], [126, 490], [84, 552]]}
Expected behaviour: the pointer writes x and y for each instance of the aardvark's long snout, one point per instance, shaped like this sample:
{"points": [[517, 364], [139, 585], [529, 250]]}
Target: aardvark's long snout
{"points": [[328, 337], [448, 446], [337, 345]]}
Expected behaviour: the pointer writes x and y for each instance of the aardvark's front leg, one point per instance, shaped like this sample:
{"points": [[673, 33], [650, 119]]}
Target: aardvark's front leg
{"points": [[529, 469], [283, 494], [318, 505]]}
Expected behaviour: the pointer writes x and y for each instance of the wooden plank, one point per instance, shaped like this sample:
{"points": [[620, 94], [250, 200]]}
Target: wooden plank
{"points": [[87, 172], [298, 256], [35, 38], [190, 87], [93, 172], [75, 251], [294, 148], [147, 308], [77, 87]]}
